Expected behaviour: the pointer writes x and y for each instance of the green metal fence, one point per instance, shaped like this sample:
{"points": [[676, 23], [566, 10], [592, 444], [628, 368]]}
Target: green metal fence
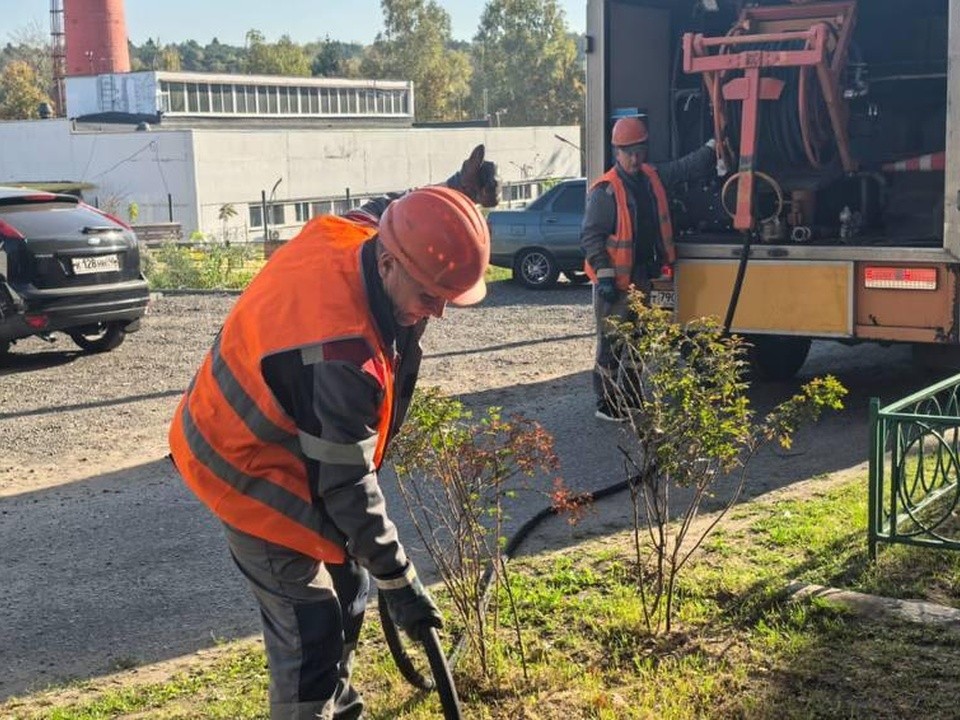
{"points": [[914, 495]]}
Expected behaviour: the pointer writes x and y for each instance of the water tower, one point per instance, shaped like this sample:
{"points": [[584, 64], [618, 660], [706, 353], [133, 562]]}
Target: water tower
{"points": [[96, 37]]}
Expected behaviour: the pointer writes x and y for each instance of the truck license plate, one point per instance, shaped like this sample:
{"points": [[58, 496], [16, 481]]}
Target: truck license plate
{"points": [[96, 264], [662, 299]]}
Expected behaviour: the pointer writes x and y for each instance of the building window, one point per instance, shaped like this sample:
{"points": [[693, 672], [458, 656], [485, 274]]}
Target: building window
{"points": [[256, 216], [241, 99], [520, 191], [177, 101], [226, 98], [302, 210], [250, 99], [319, 208], [278, 214], [203, 93], [193, 99], [216, 97]]}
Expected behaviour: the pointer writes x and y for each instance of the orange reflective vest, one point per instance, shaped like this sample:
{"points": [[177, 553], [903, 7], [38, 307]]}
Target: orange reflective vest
{"points": [[235, 447], [620, 243]]}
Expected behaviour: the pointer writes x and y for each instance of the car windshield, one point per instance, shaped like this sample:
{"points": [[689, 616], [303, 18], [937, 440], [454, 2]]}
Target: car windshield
{"points": [[48, 220]]}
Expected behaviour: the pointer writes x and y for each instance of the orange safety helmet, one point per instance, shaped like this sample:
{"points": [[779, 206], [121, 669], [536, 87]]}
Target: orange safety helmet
{"points": [[629, 131], [440, 238]]}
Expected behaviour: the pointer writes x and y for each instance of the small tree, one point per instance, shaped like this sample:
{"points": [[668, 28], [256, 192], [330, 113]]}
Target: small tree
{"points": [[133, 212], [455, 474], [227, 211], [689, 424], [20, 92]]}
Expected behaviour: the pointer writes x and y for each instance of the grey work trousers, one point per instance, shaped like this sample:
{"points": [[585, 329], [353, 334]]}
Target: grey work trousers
{"points": [[605, 368], [311, 614]]}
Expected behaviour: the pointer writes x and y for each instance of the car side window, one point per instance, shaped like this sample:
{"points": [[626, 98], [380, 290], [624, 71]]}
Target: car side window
{"points": [[571, 200]]}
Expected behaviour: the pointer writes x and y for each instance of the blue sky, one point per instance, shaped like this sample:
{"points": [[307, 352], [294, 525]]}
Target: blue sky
{"points": [[229, 20]]}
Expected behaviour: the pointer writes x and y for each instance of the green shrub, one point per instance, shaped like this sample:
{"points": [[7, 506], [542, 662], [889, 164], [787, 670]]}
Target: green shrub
{"points": [[200, 267]]}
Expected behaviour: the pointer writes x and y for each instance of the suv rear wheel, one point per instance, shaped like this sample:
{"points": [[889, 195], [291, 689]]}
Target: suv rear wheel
{"points": [[98, 338]]}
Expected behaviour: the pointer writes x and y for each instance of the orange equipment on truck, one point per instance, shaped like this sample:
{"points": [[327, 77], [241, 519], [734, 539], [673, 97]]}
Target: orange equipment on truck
{"points": [[836, 215]]}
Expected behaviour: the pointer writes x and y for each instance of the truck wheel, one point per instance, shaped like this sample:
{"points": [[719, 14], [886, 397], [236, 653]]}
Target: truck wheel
{"points": [[98, 338], [536, 269], [776, 357]]}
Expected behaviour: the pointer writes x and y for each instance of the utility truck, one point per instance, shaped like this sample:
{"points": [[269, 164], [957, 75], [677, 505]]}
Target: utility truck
{"points": [[836, 209]]}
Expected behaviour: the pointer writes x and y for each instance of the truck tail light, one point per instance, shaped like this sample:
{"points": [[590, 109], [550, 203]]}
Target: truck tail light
{"points": [[900, 278]]}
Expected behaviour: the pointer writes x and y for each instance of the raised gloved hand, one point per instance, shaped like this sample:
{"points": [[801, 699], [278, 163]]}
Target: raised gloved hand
{"points": [[607, 290], [478, 179], [410, 606]]}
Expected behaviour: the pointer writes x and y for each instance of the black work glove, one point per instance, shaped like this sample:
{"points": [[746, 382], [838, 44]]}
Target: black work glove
{"points": [[410, 606], [478, 179], [607, 290]]}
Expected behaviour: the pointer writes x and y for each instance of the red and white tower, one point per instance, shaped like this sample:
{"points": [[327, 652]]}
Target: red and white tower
{"points": [[96, 37]]}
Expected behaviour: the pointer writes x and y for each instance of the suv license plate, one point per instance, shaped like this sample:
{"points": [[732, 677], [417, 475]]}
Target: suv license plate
{"points": [[96, 264], [662, 299]]}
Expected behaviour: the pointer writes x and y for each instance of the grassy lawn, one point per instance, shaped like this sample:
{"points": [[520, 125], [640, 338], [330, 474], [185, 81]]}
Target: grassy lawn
{"points": [[742, 648]]}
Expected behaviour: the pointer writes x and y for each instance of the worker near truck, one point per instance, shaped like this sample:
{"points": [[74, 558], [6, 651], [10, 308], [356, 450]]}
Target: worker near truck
{"points": [[627, 236], [283, 430]]}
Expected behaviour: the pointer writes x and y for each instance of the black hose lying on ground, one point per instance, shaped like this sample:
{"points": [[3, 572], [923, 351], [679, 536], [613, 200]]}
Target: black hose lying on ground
{"points": [[439, 665]]}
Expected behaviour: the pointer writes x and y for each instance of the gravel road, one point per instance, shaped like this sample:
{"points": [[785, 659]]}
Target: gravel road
{"points": [[108, 562]]}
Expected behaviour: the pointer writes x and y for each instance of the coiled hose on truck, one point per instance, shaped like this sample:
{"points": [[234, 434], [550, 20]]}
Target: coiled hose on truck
{"points": [[792, 131]]}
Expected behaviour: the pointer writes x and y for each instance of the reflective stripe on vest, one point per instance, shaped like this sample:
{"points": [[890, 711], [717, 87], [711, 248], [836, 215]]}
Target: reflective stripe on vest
{"points": [[235, 447], [620, 243]]}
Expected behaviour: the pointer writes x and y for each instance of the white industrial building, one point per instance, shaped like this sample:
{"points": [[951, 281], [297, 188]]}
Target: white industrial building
{"points": [[182, 146]]}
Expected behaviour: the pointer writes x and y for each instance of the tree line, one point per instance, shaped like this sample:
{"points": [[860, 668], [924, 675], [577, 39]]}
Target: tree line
{"points": [[523, 67]]}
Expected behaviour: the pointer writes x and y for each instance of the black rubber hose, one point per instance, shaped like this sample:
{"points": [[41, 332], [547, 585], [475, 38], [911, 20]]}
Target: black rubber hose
{"points": [[442, 679], [400, 656], [738, 284], [442, 675]]}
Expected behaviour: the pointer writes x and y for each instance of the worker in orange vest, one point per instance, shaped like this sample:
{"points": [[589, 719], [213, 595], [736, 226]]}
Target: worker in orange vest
{"points": [[627, 236], [283, 430]]}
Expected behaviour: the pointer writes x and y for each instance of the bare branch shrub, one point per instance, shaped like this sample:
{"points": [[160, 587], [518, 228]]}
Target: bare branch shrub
{"points": [[456, 475], [689, 425]]}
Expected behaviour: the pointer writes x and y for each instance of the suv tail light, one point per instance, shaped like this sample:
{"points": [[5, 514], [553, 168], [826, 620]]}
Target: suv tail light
{"points": [[37, 322], [108, 216], [9, 232]]}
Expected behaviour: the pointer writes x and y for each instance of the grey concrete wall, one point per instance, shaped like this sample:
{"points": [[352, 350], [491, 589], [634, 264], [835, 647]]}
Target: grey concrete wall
{"points": [[124, 167], [234, 167], [203, 169]]}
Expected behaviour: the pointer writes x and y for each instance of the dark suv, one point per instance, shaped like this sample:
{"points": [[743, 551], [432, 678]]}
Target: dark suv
{"points": [[66, 266]]}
